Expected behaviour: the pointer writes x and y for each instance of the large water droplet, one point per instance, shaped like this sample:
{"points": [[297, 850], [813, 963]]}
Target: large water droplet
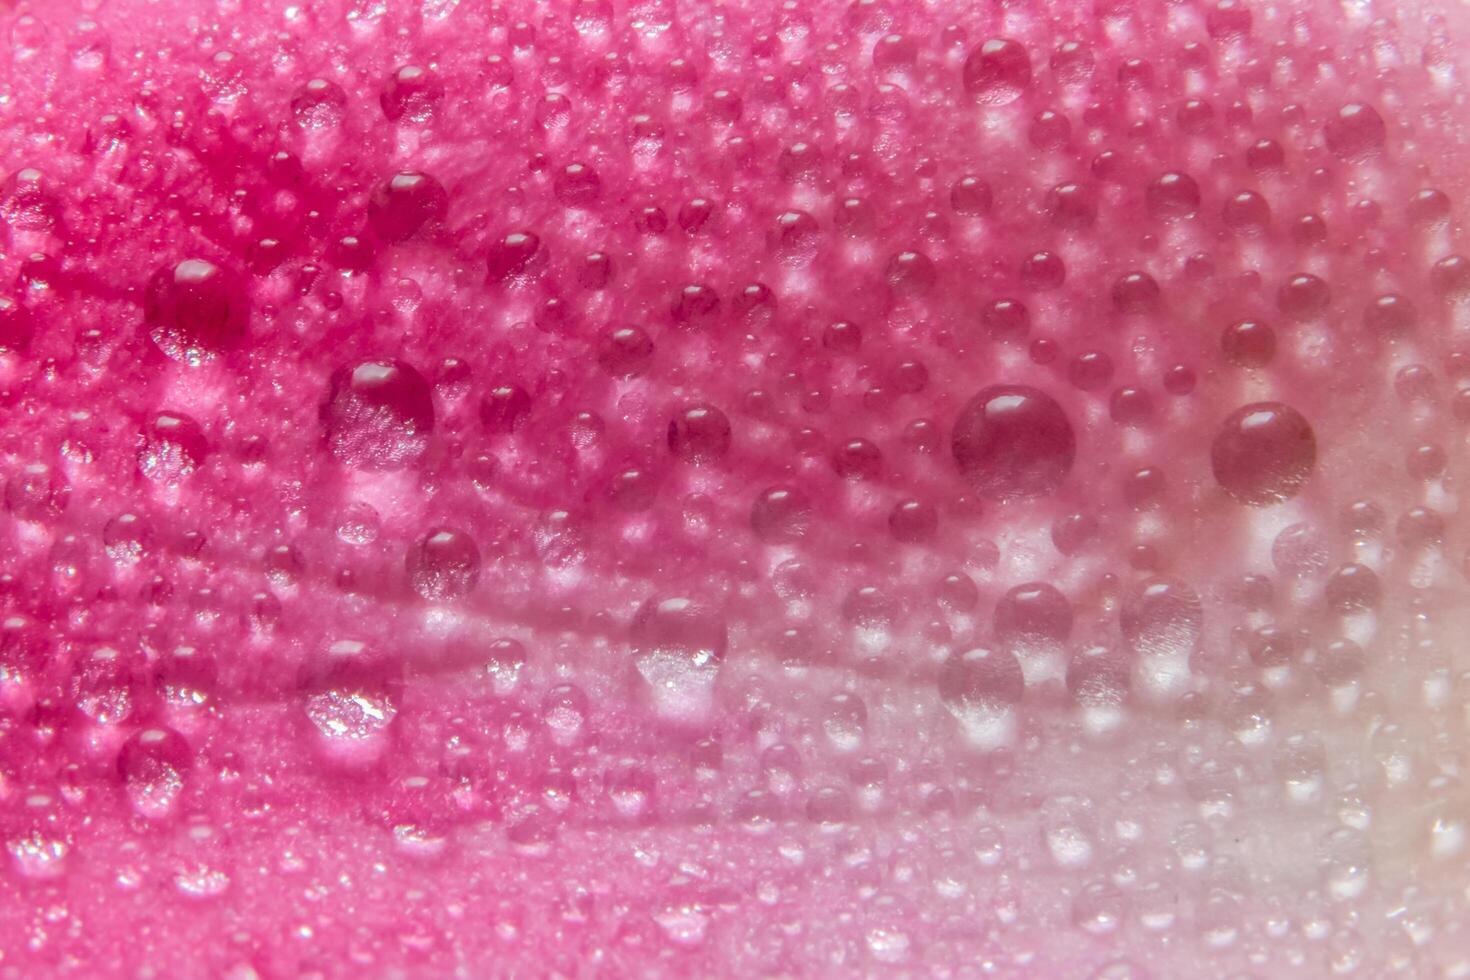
{"points": [[444, 565], [411, 92], [319, 104], [405, 203], [378, 414], [104, 685], [1013, 441], [1356, 130], [998, 72], [699, 434], [1033, 621], [350, 696], [981, 688], [781, 514], [173, 447], [36, 492], [153, 764], [195, 310], [1162, 622], [679, 643], [1263, 453]]}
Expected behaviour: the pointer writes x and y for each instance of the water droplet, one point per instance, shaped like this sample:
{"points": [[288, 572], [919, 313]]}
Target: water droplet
{"points": [[998, 72], [1339, 663], [564, 710], [632, 792], [319, 104], [1013, 441], [505, 659], [1099, 908], [1248, 343], [42, 844], [17, 326], [444, 565], [679, 644], [911, 273], [781, 514], [1227, 19], [1390, 315], [195, 310], [699, 434], [857, 459], [695, 305], [844, 721], [1356, 130], [970, 196], [411, 93], [1162, 617], [378, 414], [624, 352], [577, 186], [172, 448], [1352, 587], [981, 687], [1173, 195], [1263, 453], [185, 677], [350, 696], [913, 521], [104, 685], [406, 203], [514, 258], [1043, 272], [153, 764], [1162, 622], [1033, 621], [1300, 550], [1303, 297], [359, 524], [1135, 293], [1098, 681], [36, 492]]}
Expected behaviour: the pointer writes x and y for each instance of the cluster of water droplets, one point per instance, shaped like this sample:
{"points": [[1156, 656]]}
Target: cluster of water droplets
{"points": [[1038, 436]]}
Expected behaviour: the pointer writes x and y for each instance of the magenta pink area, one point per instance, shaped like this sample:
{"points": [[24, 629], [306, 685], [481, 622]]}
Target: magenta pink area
{"points": [[670, 488]]}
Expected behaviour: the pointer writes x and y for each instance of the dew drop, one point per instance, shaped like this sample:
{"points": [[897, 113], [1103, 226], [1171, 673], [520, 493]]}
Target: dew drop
{"points": [[319, 104], [998, 72], [1263, 453], [350, 696], [577, 186], [411, 93], [1356, 130], [699, 434], [1012, 442], [36, 492], [781, 514], [514, 258], [195, 310], [444, 565], [981, 687], [1173, 195], [17, 326], [970, 196], [406, 203], [153, 764], [1248, 343], [378, 415], [104, 685], [171, 448], [679, 643]]}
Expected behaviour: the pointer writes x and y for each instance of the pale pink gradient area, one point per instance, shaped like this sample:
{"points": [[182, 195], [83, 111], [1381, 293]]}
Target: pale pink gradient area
{"points": [[677, 488]]}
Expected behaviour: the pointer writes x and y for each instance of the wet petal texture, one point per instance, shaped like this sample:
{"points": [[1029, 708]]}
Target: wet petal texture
{"points": [[669, 488]]}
